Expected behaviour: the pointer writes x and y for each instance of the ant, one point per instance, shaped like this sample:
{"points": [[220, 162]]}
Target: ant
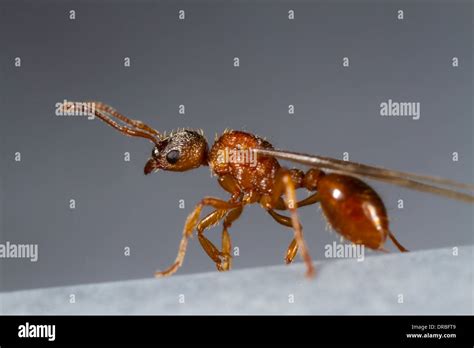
{"points": [[352, 208]]}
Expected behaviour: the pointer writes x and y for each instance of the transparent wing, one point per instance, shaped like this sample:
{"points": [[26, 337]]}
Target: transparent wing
{"points": [[435, 185]]}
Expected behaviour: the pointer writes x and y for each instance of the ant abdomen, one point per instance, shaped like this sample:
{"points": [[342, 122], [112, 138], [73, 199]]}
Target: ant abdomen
{"points": [[353, 209]]}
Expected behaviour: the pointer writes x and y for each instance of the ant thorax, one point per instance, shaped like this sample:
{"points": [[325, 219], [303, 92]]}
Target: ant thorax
{"points": [[232, 154]]}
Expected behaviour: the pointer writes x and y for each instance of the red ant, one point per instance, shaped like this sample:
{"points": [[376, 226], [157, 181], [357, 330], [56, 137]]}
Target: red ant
{"points": [[351, 207]]}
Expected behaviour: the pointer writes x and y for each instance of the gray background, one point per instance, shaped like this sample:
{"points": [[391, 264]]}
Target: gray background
{"points": [[190, 62]]}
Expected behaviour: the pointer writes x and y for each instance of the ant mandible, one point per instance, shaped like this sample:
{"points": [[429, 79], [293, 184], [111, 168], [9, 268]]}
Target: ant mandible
{"points": [[352, 208]]}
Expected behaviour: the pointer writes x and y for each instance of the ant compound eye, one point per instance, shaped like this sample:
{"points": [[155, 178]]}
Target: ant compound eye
{"points": [[172, 157]]}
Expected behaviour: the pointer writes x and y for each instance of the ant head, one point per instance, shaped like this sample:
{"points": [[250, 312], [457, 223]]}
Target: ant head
{"points": [[180, 151]]}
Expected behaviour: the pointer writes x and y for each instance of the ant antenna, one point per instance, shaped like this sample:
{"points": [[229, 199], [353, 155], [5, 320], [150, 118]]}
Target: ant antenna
{"points": [[105, 112]]}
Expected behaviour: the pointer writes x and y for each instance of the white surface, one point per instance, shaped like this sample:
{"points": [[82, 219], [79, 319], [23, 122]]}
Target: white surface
{"points": [[431, 282]]}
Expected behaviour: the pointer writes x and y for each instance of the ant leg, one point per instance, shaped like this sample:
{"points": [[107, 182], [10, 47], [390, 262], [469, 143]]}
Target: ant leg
{"points": [[397, 243], [278, 205], [286, 221], [189, 227], [221, 258], [207, 222], [291, 251], [311, 199], [284, 184], [228, 183], [226, 262]]}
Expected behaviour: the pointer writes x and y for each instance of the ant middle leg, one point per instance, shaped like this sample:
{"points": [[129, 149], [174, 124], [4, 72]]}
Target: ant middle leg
{"points": [[284, 185], [286, 221], [308, 180]]}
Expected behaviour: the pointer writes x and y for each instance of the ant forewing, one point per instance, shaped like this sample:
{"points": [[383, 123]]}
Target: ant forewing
{"points": [[412, 181]]}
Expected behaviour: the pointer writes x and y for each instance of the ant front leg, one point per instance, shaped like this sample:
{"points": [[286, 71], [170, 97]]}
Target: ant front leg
{"points": [[189, 227]]}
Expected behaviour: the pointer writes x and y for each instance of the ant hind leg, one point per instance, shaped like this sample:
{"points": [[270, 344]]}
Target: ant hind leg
{"points": [[286, 221]]}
